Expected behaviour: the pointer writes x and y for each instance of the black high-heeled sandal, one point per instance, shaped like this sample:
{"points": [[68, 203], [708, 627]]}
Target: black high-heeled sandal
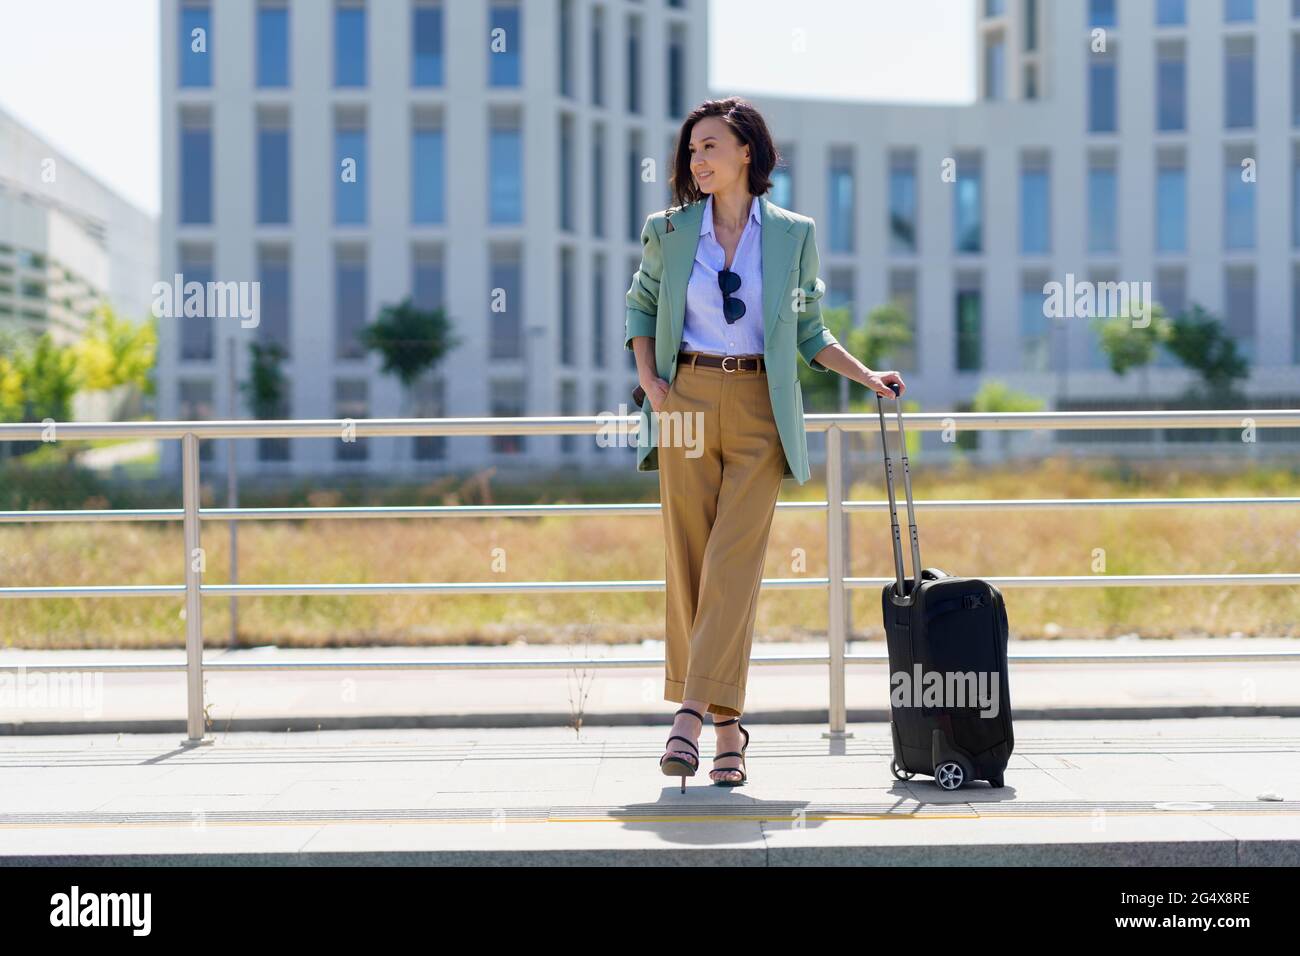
{"points": [[673, 763], [731, 753]]}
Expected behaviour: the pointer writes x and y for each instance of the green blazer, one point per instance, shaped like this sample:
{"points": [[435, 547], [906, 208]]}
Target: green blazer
{"points": [[656, 306]]}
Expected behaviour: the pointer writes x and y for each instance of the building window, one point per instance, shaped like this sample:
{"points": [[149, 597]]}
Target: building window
{"points": [[1031, 82], [677, 73], [1171, 13], [426, 44], [969, 323], [840, 201], [272, 166], [633, 65], [195, 404], [1295, 317], [351, 401], [1171, 203], [1031, 25], [349, 44], [505, 44], [1102, 197], [430, 401], [196, 45], [1295, 196], [273, 43], [1101, 13], [427, 277], [783, 178], [1239, 308], [507, 401], [598, 180], [1238, 11], [195, 330], [1111, 299], [196, 166], [273, 274], [968, 209], [1171, 87], [506, 168], [568, 406], [1171, 293], [566, 172], [1239, 202], [428, 167], [350, 166], [1295, 79], [1035, 331], [505, 298], [1102, 92], [349, 301], [565, 31], [598, 56], [902, 202], [1035, 204], [598, 313], [634, 220], [902, 292], [994, 8], [567, 307], [1239, 82], [994, 67]]}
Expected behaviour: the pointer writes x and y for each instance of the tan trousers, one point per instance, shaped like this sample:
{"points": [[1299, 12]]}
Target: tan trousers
{"points": [[720, 470]]}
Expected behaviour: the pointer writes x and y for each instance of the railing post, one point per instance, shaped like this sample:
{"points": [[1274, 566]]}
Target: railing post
{"points": [[193, 596], [835, 615]]}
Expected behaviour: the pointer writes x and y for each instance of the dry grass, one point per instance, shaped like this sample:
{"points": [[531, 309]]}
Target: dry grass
{"points": [[1203, 540]]}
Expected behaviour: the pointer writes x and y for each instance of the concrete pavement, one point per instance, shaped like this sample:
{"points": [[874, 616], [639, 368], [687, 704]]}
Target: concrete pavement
{"points": [[1221, 792]]}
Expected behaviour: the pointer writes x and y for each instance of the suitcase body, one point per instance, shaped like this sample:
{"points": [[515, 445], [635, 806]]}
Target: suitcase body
{"points": [[950, 705]]}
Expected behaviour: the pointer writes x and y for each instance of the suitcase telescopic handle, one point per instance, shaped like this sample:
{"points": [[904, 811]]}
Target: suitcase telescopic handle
{"points": [[898, 596]]}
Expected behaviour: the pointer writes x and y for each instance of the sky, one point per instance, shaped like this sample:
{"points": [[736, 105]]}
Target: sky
{"points": [[83, 74]]}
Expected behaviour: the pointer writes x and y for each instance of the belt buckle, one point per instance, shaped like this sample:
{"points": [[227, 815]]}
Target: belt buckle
{"points": [[724, 363]]}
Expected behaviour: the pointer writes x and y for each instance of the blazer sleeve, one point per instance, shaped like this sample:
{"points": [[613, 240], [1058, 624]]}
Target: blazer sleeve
{"points": [[643, 296], [811, 334]]}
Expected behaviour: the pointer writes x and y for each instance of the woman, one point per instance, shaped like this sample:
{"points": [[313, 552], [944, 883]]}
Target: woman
{"points": [[726, 294]]}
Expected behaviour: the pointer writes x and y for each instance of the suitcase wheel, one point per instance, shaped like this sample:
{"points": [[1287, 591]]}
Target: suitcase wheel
{"points": [[950, 775], [900, 774]]}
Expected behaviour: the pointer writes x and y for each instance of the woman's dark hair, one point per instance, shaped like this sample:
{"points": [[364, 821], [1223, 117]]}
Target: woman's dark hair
{"points": [[747, 125]]}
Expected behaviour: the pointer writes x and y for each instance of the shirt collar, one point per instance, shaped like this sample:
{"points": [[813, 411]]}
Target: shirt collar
{"points": [[706, 223]]}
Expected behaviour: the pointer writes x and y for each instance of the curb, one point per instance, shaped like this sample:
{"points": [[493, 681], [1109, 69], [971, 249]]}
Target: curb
{"points": [[488, 721]]}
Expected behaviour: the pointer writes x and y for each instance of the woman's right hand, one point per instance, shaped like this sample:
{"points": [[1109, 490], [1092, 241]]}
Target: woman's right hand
{"points": [[656, 390]]}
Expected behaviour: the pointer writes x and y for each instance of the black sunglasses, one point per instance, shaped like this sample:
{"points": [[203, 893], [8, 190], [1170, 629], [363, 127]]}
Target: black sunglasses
{"points": [[732, 308]]}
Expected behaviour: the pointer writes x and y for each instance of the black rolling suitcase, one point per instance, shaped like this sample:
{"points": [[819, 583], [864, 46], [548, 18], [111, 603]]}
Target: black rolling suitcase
{"points": [[950, 709]]}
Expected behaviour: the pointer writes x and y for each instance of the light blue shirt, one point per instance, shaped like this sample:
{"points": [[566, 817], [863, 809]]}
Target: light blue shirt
{"points": [[704, 329]]}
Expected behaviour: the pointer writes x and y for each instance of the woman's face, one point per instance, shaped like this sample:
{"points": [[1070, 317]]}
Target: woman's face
{"points": [[718, 160]]}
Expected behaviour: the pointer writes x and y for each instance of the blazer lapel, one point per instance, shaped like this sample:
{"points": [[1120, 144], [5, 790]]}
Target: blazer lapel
{"points": [[779, 250]]}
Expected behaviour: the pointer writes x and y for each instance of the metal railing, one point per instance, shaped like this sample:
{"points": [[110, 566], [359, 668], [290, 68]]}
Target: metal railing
{"points": [[836, 583]]}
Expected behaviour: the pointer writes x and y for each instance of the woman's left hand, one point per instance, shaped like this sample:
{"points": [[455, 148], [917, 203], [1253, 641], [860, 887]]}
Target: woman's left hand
{"points": [[878, 382]]}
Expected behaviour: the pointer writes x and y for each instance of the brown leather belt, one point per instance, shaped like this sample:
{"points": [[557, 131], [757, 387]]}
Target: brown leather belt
{"points": [[728, 363]]}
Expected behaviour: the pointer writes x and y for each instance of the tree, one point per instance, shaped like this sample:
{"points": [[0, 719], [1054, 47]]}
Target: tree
{"points": [[1199, 342], [410, 341], [50, 377], [886, 330], [1129, 346], [994, 396], [116, 354]]}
